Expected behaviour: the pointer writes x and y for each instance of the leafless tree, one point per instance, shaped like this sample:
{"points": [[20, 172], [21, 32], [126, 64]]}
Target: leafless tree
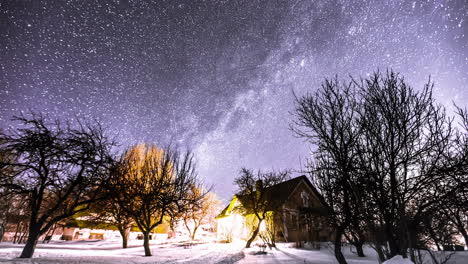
{"points": [[327, 118], [268, 235], [59, 168], [150, 184], [202, 212], [256, 199], [455, 205], [406, 137], [437, 230], [387, 157], [107, 213]]}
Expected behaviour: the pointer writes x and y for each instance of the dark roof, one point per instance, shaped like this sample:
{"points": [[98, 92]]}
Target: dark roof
{"points": [[279, 192]]}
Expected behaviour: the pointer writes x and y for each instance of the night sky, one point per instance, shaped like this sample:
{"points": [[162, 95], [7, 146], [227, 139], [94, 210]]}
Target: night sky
{"points": [[217, 76]]}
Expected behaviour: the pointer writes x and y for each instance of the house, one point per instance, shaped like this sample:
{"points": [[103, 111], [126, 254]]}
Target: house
{"points": [[299, 214]]}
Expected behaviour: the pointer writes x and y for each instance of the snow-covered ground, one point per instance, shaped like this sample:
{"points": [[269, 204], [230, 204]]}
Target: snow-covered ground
{"points": [[71, 252]]}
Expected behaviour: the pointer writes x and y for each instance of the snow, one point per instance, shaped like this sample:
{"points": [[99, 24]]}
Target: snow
{"points": [[102, 252], [398, 260]]}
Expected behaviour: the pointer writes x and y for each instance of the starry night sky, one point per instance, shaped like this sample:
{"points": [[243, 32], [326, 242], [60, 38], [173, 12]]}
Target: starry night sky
{"points": [[217, 76]]}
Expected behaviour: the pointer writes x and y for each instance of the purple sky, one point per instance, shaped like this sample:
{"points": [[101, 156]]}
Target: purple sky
{"points": [[217, 76]]}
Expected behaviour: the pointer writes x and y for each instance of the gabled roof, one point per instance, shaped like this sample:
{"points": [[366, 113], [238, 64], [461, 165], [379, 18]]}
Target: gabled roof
{"points": [[279, 192], [223, 212]]}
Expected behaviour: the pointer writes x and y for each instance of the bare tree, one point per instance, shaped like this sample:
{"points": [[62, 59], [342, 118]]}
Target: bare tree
{"points": [[457, 213], [356, 235], [256, 199], [201, 212], [328, 119], [436, 229], [268, 235], [59, 168], [387, 157], [150, 184], [455, 206], [406, 137], [110, 214]]}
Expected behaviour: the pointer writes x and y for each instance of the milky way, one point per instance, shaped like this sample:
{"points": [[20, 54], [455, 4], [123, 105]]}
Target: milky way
{"points": [[217, 76]]}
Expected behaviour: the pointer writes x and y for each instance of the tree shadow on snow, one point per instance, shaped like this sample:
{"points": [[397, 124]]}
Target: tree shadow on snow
{"points": [[232, 258], [291, 255], [255, 253]]}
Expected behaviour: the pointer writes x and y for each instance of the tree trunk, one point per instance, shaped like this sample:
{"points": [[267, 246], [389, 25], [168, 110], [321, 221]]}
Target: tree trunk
{"points": [[53, 232], [337, 248], [465, 236], [359, 250], [49, 234], [194, 232], [272, 244], [411, 243], [357, 242], [375, 235], [462, 230], [2, 231], [403, 240], [16, 232], [146, 244], [33, 237], [254, 235], [392, 244], [380, 253], [412, 255], [22, 237], [434, 239], [272, 238], [124, 232]]}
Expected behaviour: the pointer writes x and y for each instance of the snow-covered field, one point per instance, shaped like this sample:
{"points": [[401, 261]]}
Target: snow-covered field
{"points": [[72, 252]]}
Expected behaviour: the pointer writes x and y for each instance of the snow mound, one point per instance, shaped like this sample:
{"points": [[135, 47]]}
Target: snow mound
{"points": [[398, 260]]}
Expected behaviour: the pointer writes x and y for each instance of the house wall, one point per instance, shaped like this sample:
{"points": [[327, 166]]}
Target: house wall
{"points": [[297, 227], [231, 228]]}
